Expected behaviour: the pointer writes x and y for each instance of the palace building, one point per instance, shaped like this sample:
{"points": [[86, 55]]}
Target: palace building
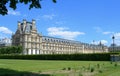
{"points": [[5, 42], [35, 43], [114, 48]]}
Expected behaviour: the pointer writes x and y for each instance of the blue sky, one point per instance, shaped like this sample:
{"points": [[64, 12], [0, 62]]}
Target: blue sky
{"points": [[80, 20]]}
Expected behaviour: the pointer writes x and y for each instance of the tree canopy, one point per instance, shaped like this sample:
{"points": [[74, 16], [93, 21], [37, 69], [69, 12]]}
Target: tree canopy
{"points": [[11, 50], [13, 4]]}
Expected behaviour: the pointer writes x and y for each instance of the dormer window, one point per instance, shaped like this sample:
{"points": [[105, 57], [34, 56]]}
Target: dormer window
{"points": [[30, 27]]}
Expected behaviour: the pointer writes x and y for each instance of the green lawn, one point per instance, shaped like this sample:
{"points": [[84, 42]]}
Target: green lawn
{"points": [[62, 68]]}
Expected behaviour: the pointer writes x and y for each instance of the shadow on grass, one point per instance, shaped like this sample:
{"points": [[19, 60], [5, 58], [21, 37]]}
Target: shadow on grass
{"points": [[9, 72]]}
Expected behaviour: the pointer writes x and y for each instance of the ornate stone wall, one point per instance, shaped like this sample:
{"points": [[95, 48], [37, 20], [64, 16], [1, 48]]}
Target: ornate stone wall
{"points": [[34, 43]]}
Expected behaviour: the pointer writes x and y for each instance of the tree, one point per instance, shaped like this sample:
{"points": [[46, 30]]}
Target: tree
{"points": [[19, 49], [11, 50], [13, 4]]}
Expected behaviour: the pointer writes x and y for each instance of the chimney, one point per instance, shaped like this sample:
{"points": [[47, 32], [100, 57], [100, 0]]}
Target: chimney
{"points": [[24, 24], [19, 25], [33, 24]]}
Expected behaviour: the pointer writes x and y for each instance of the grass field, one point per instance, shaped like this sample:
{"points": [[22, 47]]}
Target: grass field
{"points": [[60, 68]]}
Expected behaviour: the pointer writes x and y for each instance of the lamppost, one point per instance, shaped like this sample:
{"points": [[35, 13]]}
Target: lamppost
{"points": [[113, 37], [93, 46]]}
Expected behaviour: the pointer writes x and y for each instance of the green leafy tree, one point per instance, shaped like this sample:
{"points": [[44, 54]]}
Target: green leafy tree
{"points": [[8, 50], [13, 4], [3, 50], [11, 50], [19, 49], [0, 50]]}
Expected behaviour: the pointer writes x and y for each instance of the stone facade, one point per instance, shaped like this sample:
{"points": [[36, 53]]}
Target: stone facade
{"points": [[5, 42], [34, 43], [114, 48]]}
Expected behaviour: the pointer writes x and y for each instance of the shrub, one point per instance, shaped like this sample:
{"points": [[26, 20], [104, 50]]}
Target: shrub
{"points": [[69, 68], [39, 71], [98, 65], [92, 69], [64, 69], [100, 71], [115, 64]]}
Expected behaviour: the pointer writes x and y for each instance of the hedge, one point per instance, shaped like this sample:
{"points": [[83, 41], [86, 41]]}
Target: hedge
{"points": [[82, 57]]}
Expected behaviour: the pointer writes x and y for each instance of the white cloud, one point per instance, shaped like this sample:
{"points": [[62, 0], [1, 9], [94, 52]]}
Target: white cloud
{"points": [[63, 33], [49, 16], [117, 35], [117, 38], [5, 30], [98, 42], [104, 41], [107, 32], [15, 13]]}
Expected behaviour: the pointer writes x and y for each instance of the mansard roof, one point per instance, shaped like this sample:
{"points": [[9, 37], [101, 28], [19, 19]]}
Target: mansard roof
{"points": [[26, 27]]}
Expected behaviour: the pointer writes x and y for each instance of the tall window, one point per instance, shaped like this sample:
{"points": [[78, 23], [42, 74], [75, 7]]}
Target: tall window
{"points": [[30, 27]]}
